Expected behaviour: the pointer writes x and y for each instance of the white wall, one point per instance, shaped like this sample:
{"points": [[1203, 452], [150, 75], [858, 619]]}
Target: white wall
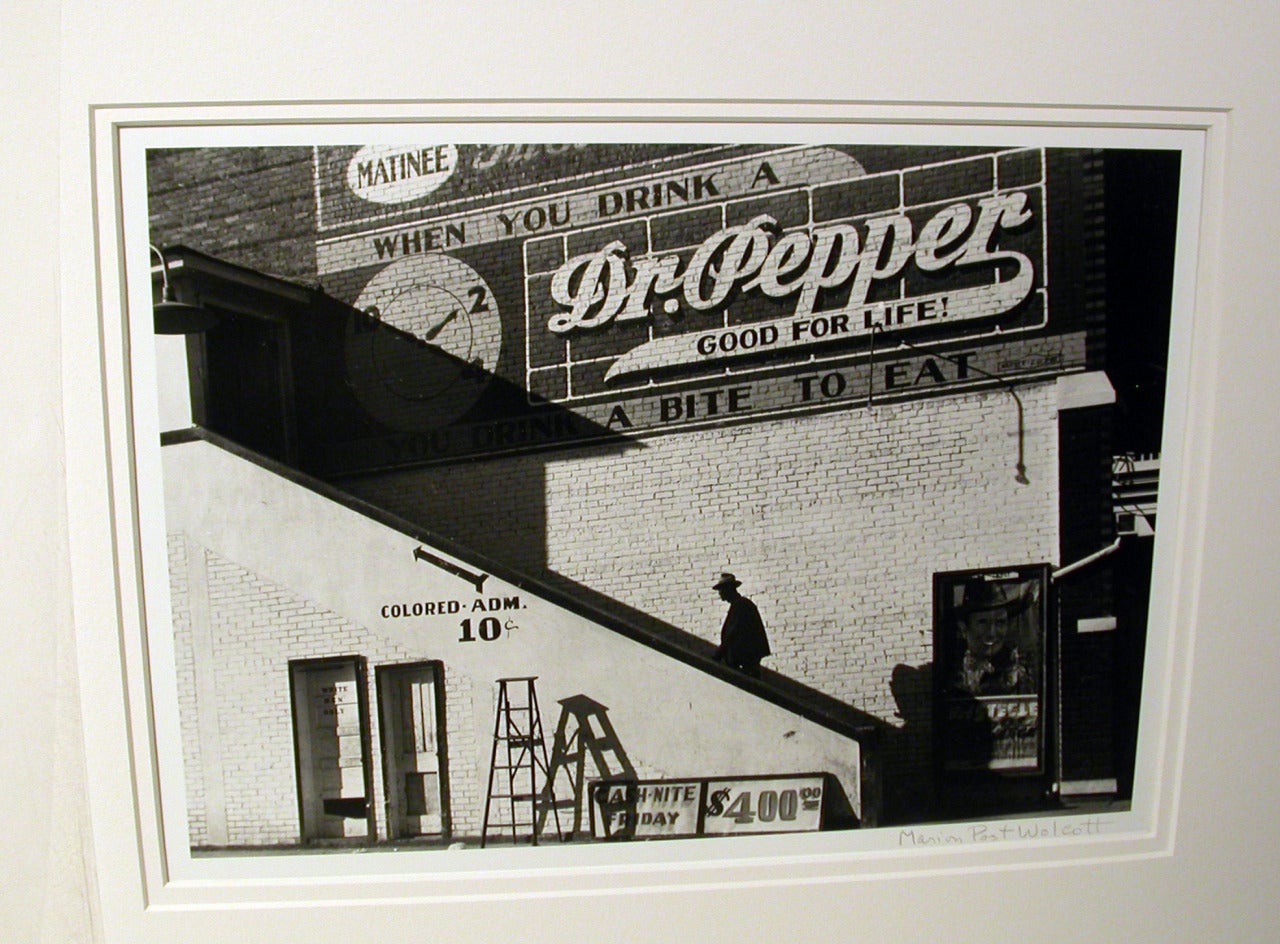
{"points": [[835, 522], [291, 574]]}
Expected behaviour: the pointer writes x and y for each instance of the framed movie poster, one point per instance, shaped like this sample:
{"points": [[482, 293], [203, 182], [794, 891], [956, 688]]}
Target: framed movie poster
{"points": [[992, 703]]}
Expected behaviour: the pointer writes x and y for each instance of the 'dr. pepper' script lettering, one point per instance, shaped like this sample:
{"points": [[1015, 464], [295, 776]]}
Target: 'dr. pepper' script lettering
{"points": [[599, 287]]}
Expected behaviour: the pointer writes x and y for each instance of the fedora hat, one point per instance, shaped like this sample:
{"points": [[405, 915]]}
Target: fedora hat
{"points": [[981, 595], [726, 580]]}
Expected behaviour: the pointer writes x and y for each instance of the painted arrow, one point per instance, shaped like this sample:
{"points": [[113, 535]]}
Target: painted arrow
{"points": [[476, 580]]}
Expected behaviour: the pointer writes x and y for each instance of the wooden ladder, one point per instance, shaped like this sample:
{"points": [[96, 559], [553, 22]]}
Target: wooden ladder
{"points": [[518, 770]]}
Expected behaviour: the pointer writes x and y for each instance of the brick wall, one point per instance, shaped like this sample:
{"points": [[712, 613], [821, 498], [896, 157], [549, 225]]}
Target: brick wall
{"points": [[251, 206], [1087, 664], [248, 603], [257, 629], [188, 707], [835, 522]]}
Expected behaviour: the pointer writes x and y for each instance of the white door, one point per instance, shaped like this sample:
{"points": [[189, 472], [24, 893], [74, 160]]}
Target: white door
{"points": [[410, 697], [331, 757]]}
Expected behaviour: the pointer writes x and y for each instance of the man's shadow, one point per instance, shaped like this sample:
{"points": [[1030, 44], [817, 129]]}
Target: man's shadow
{"points": [[909, 763], [916, 748]]}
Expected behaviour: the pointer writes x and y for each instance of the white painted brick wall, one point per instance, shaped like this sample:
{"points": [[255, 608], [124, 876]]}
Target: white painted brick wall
{"points": [[835, 523], [254, 711], [184, 668]]}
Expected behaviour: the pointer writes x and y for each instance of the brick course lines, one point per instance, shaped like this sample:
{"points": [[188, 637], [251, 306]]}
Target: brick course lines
{"points": [[836, 524], [254, 713]]}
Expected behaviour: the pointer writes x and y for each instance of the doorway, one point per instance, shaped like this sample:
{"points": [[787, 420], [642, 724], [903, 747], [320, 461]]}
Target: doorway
{"points": [[411, 717], [331, 748]]}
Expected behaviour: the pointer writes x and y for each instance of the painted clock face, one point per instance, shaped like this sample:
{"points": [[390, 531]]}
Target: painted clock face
{"points": [[432, 345]]}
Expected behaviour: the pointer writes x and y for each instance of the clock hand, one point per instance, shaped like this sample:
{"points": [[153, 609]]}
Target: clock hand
{"points": [[430, 333]]}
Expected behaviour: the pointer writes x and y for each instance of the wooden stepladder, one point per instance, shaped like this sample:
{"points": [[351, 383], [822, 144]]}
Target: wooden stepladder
{"points": [[518, 777], [583, 732]]}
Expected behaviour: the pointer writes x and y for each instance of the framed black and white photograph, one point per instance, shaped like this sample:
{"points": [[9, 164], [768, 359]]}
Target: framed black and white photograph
{"points": [[484, 510], [576, 487]]}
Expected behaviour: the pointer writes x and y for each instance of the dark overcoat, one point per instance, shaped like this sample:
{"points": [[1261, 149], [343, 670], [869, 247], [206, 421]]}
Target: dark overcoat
{"points": [[742, 638]]}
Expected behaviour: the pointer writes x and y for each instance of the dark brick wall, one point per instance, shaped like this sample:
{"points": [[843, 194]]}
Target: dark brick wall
{"points": [[1086, 660], [251, 206]]}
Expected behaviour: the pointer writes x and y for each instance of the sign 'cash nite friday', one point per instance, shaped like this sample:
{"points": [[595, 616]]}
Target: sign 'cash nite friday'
{"points": [[745, 287]]}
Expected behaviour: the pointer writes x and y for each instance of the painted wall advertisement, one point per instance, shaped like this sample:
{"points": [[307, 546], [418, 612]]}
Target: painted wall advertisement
{"points": [[990, 631], [695, 289]]}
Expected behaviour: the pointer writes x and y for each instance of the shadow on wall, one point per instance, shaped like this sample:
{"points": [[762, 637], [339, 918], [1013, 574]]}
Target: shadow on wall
{"points": [[585, 747], [586, 750], [480, 480], [431, 437], [391, 416], [909, 794], [411, 429]]}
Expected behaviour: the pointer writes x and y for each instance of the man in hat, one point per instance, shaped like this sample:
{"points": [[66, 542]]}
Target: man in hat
{"points": [[992, 664], [743, 642]]}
